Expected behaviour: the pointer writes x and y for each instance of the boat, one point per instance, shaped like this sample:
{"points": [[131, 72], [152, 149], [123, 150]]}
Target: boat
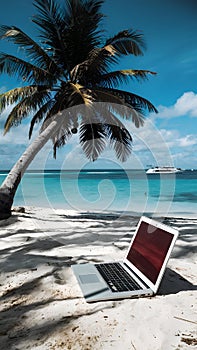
{"points": [[164, 170]]}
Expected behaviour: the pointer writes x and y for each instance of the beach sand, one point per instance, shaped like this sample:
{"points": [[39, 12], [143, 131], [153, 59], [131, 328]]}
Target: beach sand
{"points": [[41, 304]]}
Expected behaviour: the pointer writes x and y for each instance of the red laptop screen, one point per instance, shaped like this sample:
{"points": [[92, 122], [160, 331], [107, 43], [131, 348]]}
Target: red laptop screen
{"points": [[149, 250]]}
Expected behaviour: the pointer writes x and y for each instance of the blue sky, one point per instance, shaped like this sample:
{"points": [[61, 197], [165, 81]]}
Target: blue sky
{"points": [[169, 28]]}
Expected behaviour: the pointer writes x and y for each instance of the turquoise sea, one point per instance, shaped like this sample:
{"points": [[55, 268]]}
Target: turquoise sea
{"points": [[109, 190]]}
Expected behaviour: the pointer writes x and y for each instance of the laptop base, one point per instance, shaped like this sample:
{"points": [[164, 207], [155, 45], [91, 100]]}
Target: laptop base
{"points": [[94, 288]]}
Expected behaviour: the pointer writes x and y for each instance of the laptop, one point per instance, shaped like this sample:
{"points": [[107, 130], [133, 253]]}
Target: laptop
{"points": [[138, 274]]}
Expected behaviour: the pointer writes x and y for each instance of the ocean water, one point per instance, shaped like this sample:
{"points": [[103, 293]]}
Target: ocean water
{"points": [[109, 190]]}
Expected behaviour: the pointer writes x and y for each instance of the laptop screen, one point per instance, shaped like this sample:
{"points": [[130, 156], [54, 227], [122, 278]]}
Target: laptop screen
{"points": [[149, 250]]}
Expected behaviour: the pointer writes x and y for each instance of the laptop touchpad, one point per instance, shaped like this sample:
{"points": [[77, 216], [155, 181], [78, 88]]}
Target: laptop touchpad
{"points": [[89, 278]]}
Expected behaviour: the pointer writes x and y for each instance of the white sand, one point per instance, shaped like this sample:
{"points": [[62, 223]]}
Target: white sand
{"points": [[41, 305]]}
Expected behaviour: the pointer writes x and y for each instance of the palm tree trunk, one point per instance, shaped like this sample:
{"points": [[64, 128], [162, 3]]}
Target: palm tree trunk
{"points": [[10, 184]]}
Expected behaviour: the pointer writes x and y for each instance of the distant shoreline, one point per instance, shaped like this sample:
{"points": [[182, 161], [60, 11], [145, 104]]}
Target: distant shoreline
{"points": [[85, 170], [113, 214]]}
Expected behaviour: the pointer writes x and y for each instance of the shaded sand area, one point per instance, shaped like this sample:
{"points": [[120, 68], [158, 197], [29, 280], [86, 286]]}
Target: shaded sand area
{"points": [[41, 305]]}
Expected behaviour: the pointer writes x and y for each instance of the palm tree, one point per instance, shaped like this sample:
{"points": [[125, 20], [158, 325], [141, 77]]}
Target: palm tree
{"points": [[63, 79]]}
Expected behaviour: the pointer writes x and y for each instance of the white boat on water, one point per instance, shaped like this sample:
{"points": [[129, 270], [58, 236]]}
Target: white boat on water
{"points": [[164, 170]]}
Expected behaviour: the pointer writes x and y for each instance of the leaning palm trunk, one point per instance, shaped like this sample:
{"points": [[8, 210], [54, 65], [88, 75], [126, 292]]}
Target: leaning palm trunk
{"points": [[10, 184]]}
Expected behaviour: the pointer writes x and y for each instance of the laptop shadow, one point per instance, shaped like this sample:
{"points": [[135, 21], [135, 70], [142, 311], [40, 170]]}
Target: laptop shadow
{"points": [[173, 283]]}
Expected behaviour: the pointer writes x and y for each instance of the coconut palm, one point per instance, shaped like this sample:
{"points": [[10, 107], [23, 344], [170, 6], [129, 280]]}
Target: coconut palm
{"points": [[64, 75]]}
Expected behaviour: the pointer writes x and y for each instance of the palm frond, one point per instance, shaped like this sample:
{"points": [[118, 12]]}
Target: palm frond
{"points": [[51, 114], [67, 117], [83, 33], [32, 49], [78, 12], [51, 23], [66, 121], [108, 113], [38, 117], [120, 140], [12, 96], [26, 71], [116, 103], [80, 92], [70, 31], [102, 126], [128, 42], [105, 95], [131, 100], [92, 139], [60, 141], [23, 108], [97, 64], [116, 78]]}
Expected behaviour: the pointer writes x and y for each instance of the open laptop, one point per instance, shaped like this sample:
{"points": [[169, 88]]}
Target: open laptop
{"points": [[140, 272]]}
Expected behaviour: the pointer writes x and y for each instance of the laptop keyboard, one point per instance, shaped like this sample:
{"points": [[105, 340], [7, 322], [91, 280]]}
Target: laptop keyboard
{"points": [[117, 278]]}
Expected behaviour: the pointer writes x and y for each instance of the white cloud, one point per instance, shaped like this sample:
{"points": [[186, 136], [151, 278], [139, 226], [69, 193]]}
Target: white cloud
{"points": [[186, 105], [188, 140], [163, 146], [15, 136], [174, 140]]}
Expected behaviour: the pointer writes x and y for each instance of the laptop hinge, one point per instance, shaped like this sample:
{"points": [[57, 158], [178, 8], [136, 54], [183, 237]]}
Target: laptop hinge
{"points": [[135, 274]]}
